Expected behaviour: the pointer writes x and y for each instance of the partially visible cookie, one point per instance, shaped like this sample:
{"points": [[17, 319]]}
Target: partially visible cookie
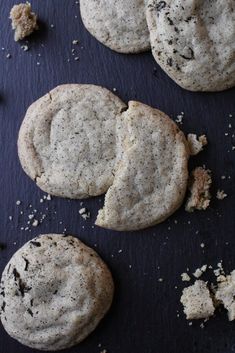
{"points": [[151, 179], [119, 24], [67, 140], [54, 291], [193, 42]]}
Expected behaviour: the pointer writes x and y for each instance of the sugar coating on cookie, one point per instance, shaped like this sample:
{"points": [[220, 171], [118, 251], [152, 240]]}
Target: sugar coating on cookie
{"points": [[197, 301], [24, 21], [119, 24], [54, 291], [193, 42], [151, 178], [67, 140]]}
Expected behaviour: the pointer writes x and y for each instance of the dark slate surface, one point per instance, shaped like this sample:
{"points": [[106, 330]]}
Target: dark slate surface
{"points": [[143, 318]]}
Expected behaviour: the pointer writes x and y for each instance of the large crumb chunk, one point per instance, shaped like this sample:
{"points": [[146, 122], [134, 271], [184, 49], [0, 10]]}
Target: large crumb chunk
{"points": [[24, 21], [196, 144], [197, 301], [225, 294], [199, 186]]}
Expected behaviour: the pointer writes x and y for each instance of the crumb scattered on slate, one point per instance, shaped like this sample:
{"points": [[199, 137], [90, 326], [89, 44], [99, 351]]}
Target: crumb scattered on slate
{"points": [[199, 186], [24, 21], [85, 214], [179, 118], [220, 195]]}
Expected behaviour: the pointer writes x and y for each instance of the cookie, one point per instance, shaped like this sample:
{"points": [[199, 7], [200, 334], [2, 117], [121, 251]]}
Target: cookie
{"points": [[193, 42], [120, 25], [151, 178], [67, 141], [54, 291]]}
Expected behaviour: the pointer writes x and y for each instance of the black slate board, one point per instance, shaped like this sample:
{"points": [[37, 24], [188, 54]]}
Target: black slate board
{"points": [[143, 318]]}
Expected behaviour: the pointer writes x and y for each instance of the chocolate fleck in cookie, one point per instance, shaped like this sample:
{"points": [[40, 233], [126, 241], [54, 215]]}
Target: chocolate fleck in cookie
{"points": [[67, 141], [54, 291], [193, 41], [151, 178], [119, 24]]}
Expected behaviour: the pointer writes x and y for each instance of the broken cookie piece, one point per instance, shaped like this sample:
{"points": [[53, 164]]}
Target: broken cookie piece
{"points": [[24, 21], [225, 294], [199, 186], [196, 144], [197, 301]]}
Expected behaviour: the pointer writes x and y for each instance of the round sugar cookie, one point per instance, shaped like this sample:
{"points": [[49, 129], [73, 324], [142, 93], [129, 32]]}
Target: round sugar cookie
{"points": [[53, 293], [67, 140]]}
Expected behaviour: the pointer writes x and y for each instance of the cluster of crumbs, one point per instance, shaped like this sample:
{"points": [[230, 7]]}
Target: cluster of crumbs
{"points": [[201, 300]]}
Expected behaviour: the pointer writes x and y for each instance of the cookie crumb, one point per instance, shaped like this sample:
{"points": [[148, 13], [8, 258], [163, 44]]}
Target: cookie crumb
{"points": [[24, 21], [199, 271], [197, 301], [220, 195], [35, 223], [179, 118], [24, 47], [196, 144], [84, 213], [225, 294], [185, 277], [199, 186]]}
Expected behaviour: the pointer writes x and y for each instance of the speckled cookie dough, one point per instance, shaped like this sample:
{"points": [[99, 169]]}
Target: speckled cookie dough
{"points": [[194, 42], [54, 291], [120, 25], [151, 179], [67, 141]]}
